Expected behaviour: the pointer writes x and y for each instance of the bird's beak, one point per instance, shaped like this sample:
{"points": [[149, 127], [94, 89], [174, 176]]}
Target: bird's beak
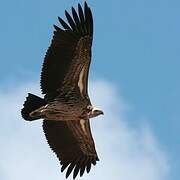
{"points": [[102, 113]]}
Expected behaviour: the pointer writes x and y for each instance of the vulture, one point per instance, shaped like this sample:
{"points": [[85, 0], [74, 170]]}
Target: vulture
{"points": [[66, 108]]}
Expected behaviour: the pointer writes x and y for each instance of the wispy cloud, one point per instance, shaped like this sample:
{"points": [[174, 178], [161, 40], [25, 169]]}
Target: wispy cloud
{"points": [[125, 153]]}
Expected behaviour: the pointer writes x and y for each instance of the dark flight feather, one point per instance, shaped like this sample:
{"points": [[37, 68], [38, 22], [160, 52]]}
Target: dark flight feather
{"points": [[88, 167], [70, 21], [82, 170], [81, 14], [70, 168], [76, 171], [64, 24], [64, 166], [75, 17]]}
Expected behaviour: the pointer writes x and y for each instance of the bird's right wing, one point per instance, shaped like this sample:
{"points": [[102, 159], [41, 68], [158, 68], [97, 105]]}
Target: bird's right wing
{"points": [[73, 144], [67, 60]]}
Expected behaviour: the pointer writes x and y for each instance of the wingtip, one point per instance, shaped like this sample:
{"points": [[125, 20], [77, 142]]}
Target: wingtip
{"points": [[73, 9], [85, 4], [64, 24], [64, 166], [76, 171], [66, 13], [79, 7], [55, 27], [88, 167], [82, 171], [70, 168]]}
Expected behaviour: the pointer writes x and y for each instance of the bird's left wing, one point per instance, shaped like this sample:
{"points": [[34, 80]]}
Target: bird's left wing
{"points": [[73, 144]]}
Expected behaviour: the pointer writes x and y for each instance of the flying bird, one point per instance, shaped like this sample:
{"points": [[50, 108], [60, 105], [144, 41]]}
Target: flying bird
{"points": [[66, 107]]}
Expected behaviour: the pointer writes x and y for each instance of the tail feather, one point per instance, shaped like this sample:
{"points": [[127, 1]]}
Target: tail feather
{"points": [[32, 103]]}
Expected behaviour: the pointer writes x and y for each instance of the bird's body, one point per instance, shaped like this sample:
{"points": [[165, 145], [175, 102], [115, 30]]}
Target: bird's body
{"points": [[66, 107], [61, 110]]}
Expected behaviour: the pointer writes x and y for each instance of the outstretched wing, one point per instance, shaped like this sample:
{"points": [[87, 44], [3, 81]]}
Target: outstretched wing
{"points": [[67, 60], [73, 144]]}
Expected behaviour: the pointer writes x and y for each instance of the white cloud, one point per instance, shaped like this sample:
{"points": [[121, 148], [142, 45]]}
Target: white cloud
{"points": [[125, 153]]}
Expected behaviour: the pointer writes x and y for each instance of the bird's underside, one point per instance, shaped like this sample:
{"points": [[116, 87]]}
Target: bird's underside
{"points": [[66, 107], [62, 111]]}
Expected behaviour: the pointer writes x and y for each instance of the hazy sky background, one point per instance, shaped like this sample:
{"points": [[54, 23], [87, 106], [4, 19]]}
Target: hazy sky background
{"points": [[136, 53]]}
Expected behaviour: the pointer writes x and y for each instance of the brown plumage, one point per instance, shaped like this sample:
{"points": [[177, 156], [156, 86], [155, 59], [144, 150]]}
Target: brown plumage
{"points": [[66, 107], [73, 147], [70, 50]]}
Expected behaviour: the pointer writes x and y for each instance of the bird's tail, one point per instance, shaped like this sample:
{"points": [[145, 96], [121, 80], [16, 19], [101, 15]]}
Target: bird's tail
{"points": [[31, 104]]}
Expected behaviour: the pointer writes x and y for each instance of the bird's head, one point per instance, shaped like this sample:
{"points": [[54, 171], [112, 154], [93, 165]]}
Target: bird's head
{"points": [[96, 112]]}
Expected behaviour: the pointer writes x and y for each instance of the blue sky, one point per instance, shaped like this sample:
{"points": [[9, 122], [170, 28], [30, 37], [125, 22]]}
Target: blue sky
{"points": [[136, 48]]}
